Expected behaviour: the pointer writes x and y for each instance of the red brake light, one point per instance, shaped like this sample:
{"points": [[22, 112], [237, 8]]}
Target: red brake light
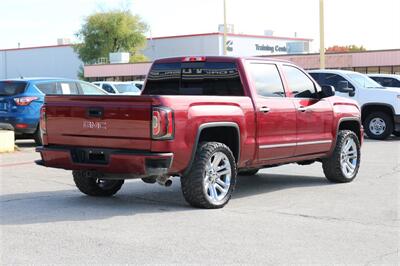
{"points": [[162, 123], [194, 59], [42, 122], [24, 101]]}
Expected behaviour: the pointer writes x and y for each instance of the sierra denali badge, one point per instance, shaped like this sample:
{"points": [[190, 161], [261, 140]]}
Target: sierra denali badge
{"points": [[94, 125]]}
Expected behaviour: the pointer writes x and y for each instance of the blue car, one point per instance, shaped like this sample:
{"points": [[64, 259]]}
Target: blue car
{"points": [[21, 100]]}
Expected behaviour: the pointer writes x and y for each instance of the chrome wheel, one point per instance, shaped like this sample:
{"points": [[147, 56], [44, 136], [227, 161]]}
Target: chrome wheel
{"points": [[349, 158], [377, 126], [217, 177]]}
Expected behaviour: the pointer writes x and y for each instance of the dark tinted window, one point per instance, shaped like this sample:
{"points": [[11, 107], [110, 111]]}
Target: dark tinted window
{"points": [[267, 80], [139, 86], [335, 80], [299, 83], [316, 77], [48, 88], [387, 82], [194, 78], [108, 88], [68, 88], [9, 88]]}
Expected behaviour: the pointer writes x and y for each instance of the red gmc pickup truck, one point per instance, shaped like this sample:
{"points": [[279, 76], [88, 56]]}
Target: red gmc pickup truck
{"points": [[207, 120]]}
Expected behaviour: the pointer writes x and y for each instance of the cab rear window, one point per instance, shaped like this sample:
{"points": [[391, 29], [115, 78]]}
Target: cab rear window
{"points": [[194, 78], [10, 88]]}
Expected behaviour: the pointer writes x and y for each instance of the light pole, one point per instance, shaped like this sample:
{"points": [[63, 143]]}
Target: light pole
{"points": [[321, 35], [225, 30]]}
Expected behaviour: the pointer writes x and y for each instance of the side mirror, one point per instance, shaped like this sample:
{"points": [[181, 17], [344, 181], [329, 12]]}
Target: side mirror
{"points": [[327, 91], [343, 86]]}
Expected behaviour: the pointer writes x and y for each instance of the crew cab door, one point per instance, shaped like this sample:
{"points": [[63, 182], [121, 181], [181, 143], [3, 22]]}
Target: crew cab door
{"points": [[275, 113], [314, 116]]}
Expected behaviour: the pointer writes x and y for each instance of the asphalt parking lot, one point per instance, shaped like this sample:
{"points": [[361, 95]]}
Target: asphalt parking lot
{"points": [[284, 215]]}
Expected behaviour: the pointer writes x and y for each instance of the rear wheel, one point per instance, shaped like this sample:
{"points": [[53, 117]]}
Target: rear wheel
{"points": [[90, 183], [212, 177], [344, 162], [378, 125], [37, 136]]}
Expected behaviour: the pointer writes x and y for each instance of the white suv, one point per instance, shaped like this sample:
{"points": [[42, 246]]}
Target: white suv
{"points": [[380, 106], [114, 87]]}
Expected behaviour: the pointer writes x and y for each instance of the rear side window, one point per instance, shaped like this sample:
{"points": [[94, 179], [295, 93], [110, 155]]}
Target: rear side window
{"points": [[48, 88], [267, 80], [10, 88], [68, 88], [389, 82], [299, 83], [89, 89], [194, 78]]}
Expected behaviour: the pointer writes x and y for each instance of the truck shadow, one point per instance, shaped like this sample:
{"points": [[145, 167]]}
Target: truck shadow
{"points": [[135, 198]]}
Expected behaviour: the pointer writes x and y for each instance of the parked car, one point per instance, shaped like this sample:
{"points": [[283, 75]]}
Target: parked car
{"points": [[380, 106], [386, 80], [21, 100], [114, 87], [205, 119]]}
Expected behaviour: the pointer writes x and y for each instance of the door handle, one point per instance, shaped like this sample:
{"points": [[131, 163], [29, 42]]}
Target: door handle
{"points": [[264, 109]]}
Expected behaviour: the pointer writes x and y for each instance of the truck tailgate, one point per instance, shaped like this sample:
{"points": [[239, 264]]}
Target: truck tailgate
{"points": [[118, 122]]}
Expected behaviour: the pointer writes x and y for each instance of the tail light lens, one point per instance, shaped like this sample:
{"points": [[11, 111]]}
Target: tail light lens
{"points": [[194, 59], [43, 126], [162, 125], [24, 101]]}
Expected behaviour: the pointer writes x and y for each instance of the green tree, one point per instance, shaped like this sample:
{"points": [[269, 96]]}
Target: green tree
{"points": [[108, 32]]}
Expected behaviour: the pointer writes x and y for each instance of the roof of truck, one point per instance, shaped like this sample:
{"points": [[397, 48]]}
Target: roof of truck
{"points": [[217, 59]]}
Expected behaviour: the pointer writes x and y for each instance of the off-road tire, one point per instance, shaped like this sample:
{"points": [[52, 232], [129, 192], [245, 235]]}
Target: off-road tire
{"points": [[87, 183], [332, 165], [386, 118], [192, 183], [248, 172]]}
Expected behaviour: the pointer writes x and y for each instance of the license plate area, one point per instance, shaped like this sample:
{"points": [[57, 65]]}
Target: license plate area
{"points": [[90, 156], [3, 106]]}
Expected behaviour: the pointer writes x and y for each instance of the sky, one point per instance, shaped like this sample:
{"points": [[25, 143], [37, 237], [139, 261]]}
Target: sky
{"points": [[375, 24]]}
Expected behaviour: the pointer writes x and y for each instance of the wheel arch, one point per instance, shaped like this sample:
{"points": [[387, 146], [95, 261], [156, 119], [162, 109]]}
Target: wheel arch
{"points": [[224, 132], [350, 123], [376, 107]]}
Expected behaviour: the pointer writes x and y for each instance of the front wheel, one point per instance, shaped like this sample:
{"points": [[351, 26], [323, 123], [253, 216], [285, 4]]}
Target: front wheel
{"points": [[212, 177], [343, 165], [378, 125], [91, 183]]}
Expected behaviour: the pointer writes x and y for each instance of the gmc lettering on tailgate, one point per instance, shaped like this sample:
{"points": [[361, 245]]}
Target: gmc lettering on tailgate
{"points": [[94, 125]]}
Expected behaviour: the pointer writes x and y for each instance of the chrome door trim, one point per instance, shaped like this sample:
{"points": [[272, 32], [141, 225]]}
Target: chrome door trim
{"points": [[280, 145]]}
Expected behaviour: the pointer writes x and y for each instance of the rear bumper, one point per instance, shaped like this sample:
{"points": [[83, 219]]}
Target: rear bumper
{"points": [[29, 125], [396, 120], [125, 163]]}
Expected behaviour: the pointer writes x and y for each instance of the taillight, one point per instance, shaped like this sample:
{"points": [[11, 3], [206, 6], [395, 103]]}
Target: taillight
{"points": [[43, 126], [194, 59], [23, 101], [162, 123]]}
